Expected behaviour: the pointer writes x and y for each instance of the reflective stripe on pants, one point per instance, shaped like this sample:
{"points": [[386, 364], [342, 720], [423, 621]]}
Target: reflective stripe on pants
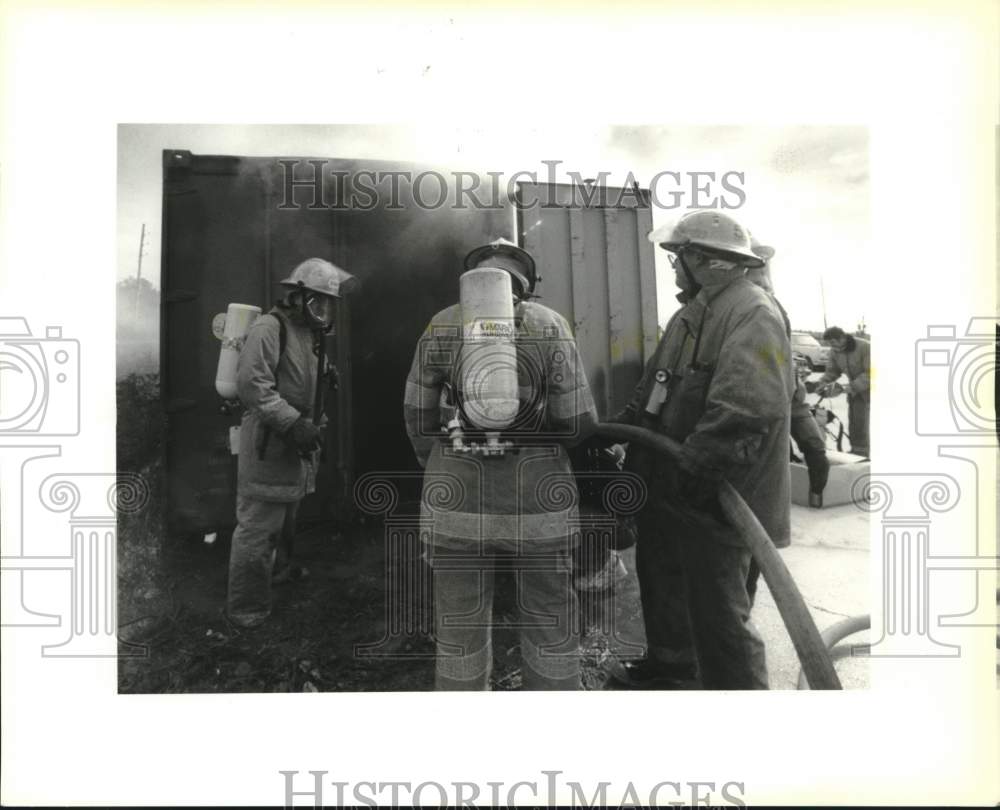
{"points": [[463, 618]]}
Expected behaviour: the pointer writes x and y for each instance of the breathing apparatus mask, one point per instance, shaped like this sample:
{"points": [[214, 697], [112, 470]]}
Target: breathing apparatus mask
{"points": [[315, 309], [317, 282]]}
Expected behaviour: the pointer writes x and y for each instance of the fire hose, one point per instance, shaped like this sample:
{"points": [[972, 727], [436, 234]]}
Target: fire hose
{"points": [[836, 633], [817, 664]]}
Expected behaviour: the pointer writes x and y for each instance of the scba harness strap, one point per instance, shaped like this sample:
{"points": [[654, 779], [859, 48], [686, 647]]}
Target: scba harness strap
{"points": [[306, 411]]}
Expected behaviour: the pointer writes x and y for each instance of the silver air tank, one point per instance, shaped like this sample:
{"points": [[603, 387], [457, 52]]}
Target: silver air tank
{"points": [[487, 371]]}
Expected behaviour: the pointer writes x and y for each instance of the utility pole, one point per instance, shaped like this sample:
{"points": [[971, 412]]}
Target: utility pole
{"points": [[138, 271], [822, 293]]}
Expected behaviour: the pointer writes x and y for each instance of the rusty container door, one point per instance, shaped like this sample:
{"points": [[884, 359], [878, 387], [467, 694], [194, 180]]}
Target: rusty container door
{"points": [[596, 269]]}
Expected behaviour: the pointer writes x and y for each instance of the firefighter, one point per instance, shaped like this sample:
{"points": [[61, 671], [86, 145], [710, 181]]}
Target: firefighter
{"points": [[851, 356], [513, 508], [280, 436], [720, 383], [805, 431]]}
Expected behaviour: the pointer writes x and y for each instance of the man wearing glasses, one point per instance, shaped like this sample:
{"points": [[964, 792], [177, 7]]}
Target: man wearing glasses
{"points": [[720, 383]]}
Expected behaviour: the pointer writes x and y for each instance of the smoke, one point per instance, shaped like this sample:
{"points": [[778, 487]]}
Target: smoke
{"points": [[138, 328]]}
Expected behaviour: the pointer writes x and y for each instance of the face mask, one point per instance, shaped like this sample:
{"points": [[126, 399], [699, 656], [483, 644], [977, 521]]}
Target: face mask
{"points": [[318, 309]]}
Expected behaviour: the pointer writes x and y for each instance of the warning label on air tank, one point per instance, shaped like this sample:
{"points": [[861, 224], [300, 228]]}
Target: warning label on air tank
{"points": [[490, 329]]}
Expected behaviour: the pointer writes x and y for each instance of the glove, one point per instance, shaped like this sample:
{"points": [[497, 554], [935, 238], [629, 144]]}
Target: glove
{"points": [[304, 435], [617, 453]]}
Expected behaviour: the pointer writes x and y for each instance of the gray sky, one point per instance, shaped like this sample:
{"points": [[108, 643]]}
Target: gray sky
{"points": [[807, 188]]}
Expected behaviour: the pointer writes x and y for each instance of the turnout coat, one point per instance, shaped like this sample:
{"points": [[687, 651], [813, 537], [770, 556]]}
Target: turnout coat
{"points": [[525, 499], [276, 387], [728, 401]]}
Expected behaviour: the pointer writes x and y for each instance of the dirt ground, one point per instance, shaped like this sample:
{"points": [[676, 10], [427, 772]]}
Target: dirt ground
{"points": [[341, 629]]}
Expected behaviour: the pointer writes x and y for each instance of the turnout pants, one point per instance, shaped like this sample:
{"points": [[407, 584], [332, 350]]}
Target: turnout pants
{"points": [[858, 411], [262, 527], [548, 619], [693, 580], [812, 445]]}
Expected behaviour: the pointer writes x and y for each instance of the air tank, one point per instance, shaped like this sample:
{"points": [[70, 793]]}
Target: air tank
{"points": [[234, 327], [487, 372]]}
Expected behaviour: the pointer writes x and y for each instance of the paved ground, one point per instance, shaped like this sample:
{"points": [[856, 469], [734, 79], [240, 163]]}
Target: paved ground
{"points": [[829, 563]]}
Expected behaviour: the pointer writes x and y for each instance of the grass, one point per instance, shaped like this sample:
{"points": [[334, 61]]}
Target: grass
{"points": [[141, 534]]}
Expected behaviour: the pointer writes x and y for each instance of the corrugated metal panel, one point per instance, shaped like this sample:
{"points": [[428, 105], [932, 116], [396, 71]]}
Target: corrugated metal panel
{"points": [[596, 269], [226, 239]]}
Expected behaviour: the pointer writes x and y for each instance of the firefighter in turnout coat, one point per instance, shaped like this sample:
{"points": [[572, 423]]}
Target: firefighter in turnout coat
{"points": [[721, 384], [514, 511], [807, 434], [279, 436]]}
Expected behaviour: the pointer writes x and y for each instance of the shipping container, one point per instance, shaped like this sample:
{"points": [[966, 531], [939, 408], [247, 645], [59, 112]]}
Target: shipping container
{"points": [[234, 226]]}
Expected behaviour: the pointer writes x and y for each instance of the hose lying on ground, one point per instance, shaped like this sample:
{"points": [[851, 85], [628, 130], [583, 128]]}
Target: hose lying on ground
{"points": [[836, 633], [817, 666]]}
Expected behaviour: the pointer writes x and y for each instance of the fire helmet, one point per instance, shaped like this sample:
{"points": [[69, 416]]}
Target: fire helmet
{"points": [[320, 276], [504, 247], [711, 230], [765, 252]]}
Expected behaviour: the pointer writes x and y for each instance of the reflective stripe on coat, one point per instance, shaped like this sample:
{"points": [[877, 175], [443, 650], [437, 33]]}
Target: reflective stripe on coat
{"points": [[529, 495]]}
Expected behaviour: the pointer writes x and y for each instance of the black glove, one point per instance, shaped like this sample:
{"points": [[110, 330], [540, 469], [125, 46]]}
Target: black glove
{"points": [[304, 435]]}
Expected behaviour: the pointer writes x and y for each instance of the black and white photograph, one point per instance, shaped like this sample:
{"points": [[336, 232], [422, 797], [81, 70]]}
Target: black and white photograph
{"points": [[531, 426]]}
